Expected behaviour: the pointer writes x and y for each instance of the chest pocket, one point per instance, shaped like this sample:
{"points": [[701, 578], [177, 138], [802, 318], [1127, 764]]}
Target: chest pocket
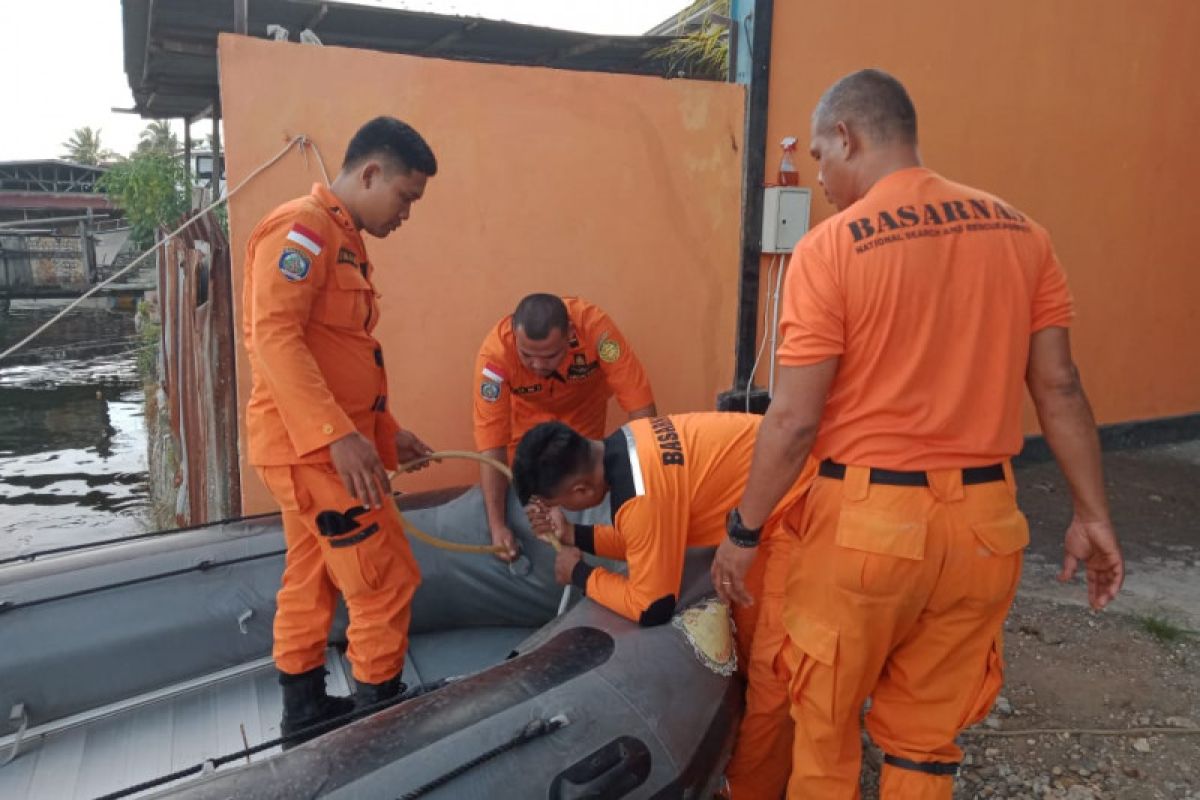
{"points": [[347, 300]]}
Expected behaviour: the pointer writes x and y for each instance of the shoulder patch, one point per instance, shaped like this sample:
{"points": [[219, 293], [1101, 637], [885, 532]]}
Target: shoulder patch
{"points": [[493, 373], [489, 390], [294, 264], [307, 238], [609, 350]]}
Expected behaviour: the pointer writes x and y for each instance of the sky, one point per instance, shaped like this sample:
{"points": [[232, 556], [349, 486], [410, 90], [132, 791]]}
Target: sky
{"points": [[63, 61]]}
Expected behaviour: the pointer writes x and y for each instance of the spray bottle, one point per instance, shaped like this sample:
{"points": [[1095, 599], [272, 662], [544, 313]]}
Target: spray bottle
{"points": [[788, 176]]}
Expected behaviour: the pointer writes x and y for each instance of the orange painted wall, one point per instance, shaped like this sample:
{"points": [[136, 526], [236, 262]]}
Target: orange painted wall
{"points": [[621, 189], [1084, 115]]}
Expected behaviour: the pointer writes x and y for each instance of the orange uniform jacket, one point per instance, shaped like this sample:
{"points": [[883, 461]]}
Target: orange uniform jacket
{"points": [[509, 399], [673, 480], [309, 311]]}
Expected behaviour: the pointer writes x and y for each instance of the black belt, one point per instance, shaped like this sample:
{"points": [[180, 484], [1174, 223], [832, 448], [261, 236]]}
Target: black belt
{"points": [[891, 477]]}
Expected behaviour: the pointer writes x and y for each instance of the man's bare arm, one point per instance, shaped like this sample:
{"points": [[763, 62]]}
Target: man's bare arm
{"points": [[495, 503], [1070, 430]]}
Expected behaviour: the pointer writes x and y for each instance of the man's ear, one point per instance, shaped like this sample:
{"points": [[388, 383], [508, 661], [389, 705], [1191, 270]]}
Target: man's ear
{"points": [[369, 172], [847, 139]]}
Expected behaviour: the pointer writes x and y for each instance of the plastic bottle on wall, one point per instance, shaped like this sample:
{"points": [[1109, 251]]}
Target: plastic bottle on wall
{"points": [[788, 176]]}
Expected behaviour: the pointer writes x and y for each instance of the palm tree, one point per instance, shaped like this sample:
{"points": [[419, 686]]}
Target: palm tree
{"points": [[701, 46], [84, 147], [157, 137]]}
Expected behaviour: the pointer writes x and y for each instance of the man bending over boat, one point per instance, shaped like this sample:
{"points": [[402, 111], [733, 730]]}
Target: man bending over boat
{"points": [[320, 432], [552, 358], [672, 479]]}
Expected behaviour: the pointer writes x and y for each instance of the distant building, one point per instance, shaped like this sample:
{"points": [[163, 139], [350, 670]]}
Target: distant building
{"points": [[201, 169]]}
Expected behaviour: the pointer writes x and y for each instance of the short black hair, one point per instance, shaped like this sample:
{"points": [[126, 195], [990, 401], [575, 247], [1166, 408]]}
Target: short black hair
{"points": [[538, 314], [548, 454], [392, 139], [874, 101]]}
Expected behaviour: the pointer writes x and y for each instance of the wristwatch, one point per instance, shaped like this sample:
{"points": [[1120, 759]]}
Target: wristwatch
{"points": [[738, 533]]}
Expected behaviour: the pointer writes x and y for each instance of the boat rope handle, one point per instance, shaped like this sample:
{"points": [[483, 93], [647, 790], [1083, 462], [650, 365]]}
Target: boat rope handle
{"points": [[458, 547], [535, 729]]}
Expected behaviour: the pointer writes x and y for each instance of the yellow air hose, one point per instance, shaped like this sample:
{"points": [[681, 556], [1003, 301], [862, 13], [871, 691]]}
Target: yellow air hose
{"points": [[458, 547]]}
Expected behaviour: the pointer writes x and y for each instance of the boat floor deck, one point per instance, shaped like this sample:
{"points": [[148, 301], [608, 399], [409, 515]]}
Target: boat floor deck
{"points": [[110, 749]]}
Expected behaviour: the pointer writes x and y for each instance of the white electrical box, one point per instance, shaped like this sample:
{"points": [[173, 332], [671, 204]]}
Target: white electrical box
{"points": [[785, 217]]}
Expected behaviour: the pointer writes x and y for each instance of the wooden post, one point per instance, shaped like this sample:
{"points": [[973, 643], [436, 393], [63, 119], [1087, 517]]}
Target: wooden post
{"points": [[87, 250], [187, 150]]}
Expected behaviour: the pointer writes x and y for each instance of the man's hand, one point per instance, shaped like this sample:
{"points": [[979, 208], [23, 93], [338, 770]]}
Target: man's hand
{"points": [[729, 568], [502, 536], [1094, 544], [564, 564], [409, 447], [362, 473], [549, 521]]}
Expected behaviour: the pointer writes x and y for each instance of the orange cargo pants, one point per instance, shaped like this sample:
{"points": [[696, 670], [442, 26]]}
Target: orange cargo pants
{"points": [[335, 545], [897, 593], [762, 754]]}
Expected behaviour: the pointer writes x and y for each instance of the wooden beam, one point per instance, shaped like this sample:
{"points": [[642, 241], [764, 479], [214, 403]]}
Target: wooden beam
{"points": [[453, 36]]}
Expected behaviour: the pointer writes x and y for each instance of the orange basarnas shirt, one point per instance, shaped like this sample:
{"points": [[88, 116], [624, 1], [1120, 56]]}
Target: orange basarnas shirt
{"points": [[928, 291], [308, 312], [672, 482], [509, 399]]}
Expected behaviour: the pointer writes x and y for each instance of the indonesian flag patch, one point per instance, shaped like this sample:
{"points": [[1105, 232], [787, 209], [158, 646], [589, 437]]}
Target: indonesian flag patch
{"points": [[494, 373], [307, 238]]}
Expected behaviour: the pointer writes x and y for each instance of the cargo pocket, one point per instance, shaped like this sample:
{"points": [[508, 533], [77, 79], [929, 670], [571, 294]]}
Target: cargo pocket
{"points": [[989, 687], [877, 551], [355, 544], [997, 563], [809, 647]]}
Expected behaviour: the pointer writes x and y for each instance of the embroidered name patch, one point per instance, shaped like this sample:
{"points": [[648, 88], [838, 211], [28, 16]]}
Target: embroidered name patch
{"points": [[294, 265]]}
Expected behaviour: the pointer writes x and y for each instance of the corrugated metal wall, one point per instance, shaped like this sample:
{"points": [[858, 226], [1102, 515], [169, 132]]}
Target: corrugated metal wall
{"points": [[198, 380]]}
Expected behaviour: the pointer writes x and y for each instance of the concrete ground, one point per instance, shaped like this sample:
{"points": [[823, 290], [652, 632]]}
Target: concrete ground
{"points": [[1155, 498]]}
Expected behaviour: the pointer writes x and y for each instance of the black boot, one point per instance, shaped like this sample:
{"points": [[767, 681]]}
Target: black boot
{"points": [[305, 705], [372, 697]]}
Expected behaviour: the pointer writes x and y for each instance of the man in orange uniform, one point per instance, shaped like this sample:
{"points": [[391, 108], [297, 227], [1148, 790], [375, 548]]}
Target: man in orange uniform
{"points": [[912, 318], [552, 359], [320, 432], [671, 479]]}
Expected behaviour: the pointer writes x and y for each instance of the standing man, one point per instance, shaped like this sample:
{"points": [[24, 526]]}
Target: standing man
{"points": [[320, 432], [551, 359], [912, 318]]}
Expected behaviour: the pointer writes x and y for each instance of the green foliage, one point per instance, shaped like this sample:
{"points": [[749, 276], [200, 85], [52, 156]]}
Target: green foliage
{"points": [[84, 147], [704, 51], [157, 137], [1162, 629], [151, 188], [147, 354]]}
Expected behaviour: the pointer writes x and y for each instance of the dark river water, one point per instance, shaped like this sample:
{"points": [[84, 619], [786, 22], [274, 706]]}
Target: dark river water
{"points": [[72, 430]]}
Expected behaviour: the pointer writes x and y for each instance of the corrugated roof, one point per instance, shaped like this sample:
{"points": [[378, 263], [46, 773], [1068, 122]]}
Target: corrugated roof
{"points": [[170, 45]]}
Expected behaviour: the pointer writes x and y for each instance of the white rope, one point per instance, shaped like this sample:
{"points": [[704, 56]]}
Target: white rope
{"points": [[301, 140]]}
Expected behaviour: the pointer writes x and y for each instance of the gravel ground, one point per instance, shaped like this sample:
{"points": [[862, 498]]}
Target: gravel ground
{"points": [[1072, 670]]}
